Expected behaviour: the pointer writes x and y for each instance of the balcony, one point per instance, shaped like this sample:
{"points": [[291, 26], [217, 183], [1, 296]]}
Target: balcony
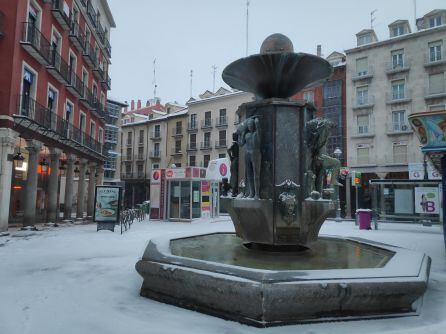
{"points": [[60, 15], [220, 143], [363, 102], [221, 121], [77, 37], [192, 127], [177, 132], [155, 135], [396, 129], [434, 58], [106, 82], [107, 48], [99, 108], [393, 68], [191, 147], [155, 155], [101, 33], [84, 3], [398, 96], [206, 123], [87, 98], [59, 68], [40, 122], [91, 14], [430, 94], [127, 157], [206, 145], [90, 55], [98, 72], [363, 132], [35, 43], [75, 85], [176, 151], [363, 75], [140, 157]]}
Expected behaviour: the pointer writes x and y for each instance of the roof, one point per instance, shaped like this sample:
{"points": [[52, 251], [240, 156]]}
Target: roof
{"points": [[108, 13], [179, 113], [214, 97], [157, 108], [435, 11], [365, 31], [122, 104], [335, 54], [398, 22]]}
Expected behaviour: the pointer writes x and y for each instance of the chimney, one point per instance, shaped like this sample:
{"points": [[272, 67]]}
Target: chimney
{"points": [[319, 50], [132, 105], [139, 104], [147, 103], [126, 107]]}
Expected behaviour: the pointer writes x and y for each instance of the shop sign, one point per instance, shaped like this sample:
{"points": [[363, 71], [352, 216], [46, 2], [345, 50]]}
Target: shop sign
{"points": [[427, 200], [156, 176], [205, 199], [162, 193], [107, 204], [176, 173], [416, 172]]}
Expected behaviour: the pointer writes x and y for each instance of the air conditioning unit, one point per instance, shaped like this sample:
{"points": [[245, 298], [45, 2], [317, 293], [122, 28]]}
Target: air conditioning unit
{"points": [[403, 127]]}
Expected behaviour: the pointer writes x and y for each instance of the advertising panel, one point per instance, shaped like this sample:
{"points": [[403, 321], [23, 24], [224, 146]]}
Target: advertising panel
{"points": [[427, 200], [107, 204]]}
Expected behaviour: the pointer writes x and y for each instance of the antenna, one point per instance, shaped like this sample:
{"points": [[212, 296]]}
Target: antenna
{"points": [[415, 13], [154, 78], [214, 69], [247, 21], [191, 76], [372, 18]]}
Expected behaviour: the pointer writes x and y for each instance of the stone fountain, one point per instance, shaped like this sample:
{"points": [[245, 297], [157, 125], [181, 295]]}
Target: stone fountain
{"points": [[275, 270]]}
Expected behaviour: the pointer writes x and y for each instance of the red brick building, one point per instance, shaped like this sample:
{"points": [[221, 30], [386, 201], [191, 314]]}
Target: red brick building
{"points": [[54, 58]]}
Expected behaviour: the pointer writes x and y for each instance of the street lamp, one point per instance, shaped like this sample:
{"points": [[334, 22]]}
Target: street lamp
{"points": [[44, 165], [337, 153]]}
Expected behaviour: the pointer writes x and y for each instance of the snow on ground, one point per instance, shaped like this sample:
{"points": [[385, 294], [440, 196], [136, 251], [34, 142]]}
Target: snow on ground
{"points": [[74, 280]]}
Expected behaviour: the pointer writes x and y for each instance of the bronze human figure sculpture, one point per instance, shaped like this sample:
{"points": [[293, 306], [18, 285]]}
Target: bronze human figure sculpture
{"points": [[318, 130], [250, 140], [233, 153]]}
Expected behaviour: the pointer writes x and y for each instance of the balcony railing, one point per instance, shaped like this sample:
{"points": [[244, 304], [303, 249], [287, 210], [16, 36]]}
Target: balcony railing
{"points": [[221, 121], [106, 82], [360, 75], [192, 126], [177, 131], [398, 128], [91, 13], [101, 33], [59, 13], [220, 143], [398, 67], [77, 36], [435, 58], [59, 68], [363, 102], [206, 145], [206, 123], [398, 96], [75, 85], [155, 154], [90, 55], [87, 98], [107, 47], [192, 146], [140, 156], [51, 125], [176, 151], [35, 43], [155, 135]]}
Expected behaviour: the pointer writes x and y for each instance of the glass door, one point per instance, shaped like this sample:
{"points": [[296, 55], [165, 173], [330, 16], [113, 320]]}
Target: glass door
{"points": [[196, 203], [174, 200], [185, 200]]}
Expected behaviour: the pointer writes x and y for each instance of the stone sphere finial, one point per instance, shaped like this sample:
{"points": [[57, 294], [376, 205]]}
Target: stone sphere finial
{"points": [[276, 43]]}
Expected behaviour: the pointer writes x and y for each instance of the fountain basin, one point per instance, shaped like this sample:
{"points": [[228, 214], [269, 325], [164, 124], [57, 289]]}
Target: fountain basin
{"points": [[336, 278]]}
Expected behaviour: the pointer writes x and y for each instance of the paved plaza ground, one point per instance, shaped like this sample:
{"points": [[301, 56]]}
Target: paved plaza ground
{"points": [[72, 279]]}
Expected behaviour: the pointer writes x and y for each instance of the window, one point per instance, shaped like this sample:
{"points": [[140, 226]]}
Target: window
{"points": [[157, 132], [128, 169], [193, 121], [193, 140], [399, 120], [178, 127], [69, 112], [363, 154], [82, 124], [309, 96], [92, 130], [222, 155], [364, 39], [129, 138], [140, 170], [435, 21], [436, 83], [207, 118], [222, 138], [192, 160], [129, 153], [397, 59], [222, 117], [398, 31], [156, 149], [52, 100], [435, 51], [398, 90], [222, 112], [362, 66], [207, 139], [362, 95], [140, 152], [399, 153], [206, 159], [178, 146], [141, 137], [155, 166], [100, 135], [363, 124]]}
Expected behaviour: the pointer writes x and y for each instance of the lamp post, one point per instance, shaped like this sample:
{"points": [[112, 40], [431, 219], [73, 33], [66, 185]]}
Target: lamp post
{"points": [[337, 153]]}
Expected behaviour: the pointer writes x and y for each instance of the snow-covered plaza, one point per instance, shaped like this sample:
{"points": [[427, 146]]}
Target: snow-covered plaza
{"points": [[72, 279]]}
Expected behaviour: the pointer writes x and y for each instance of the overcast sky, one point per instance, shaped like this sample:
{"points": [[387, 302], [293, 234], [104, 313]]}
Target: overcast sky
{"points": [[186, 35]]}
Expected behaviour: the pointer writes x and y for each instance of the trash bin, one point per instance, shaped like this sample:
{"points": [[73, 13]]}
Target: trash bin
{"points": [[364, 218]]}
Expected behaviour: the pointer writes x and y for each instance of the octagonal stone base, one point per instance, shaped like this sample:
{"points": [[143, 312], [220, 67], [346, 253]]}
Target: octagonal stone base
{"points": [[277, 297]]}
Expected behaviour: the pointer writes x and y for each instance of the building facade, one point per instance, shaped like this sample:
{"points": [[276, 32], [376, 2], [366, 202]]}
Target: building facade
{"points": [[54, 58], [386, 81], [212, 120], [112, 164]]}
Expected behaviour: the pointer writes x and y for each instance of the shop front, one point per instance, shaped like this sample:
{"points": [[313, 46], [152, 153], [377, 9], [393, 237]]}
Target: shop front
{"points": [[182, 194]]}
